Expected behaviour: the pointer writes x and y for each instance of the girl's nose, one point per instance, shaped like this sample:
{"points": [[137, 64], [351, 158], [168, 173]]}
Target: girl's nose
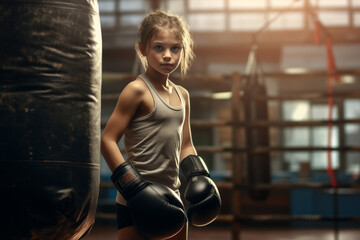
{"points": [[167, 55]]}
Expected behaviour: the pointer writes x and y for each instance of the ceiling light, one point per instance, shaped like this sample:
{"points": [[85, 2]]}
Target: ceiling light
{"points": [[295, 70], [347, 79], [222, 95]]}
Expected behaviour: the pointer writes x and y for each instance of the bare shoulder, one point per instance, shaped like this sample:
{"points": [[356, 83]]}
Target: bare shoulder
{"points": [[136, 87], [133, 93]]}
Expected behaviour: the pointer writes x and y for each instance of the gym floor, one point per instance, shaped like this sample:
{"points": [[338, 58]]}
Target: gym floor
{"points": [[109, 232]]}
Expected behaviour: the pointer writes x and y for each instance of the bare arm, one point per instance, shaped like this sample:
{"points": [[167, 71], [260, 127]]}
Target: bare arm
{"points": [[187, 147], [128, 104]]}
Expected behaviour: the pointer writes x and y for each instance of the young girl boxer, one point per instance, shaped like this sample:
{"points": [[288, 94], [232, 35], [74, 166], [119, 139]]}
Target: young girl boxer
{"points": [[152, 113]]}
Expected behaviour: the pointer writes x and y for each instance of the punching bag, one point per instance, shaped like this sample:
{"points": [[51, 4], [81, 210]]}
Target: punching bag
{"points": [[50, 73], [258, 164]]}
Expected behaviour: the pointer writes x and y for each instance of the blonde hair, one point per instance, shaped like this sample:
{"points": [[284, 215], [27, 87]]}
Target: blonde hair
{"points": [[158, 20]]}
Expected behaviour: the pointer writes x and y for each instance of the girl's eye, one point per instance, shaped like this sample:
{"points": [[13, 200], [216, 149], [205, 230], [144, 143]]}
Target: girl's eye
{"points": [[175, 48], [158, 47]]}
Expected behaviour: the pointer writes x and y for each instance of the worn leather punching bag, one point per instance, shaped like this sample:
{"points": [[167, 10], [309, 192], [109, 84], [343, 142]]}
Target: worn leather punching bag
{"points": [[50, 82], [258, 163]]}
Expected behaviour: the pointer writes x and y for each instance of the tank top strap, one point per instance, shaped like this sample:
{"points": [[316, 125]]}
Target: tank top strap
{"points": [[178, 91], [153, 91]]}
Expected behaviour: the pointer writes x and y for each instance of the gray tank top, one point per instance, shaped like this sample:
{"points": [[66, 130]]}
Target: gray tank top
{"points": [[153, 142]]}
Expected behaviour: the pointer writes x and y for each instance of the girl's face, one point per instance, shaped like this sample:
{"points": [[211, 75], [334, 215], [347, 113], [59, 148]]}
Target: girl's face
{"points": [[164, 53]]}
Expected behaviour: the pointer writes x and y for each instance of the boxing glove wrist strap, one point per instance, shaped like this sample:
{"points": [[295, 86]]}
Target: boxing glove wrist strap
{"points": [[192, 166], [127, 180]]}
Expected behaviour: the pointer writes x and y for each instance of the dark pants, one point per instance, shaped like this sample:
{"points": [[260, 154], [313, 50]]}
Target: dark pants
{"points": [[123, 216]]}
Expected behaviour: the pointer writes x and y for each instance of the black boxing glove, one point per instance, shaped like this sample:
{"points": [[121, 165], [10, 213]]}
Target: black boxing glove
{"points": [[156, 210], [201, 192]]}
